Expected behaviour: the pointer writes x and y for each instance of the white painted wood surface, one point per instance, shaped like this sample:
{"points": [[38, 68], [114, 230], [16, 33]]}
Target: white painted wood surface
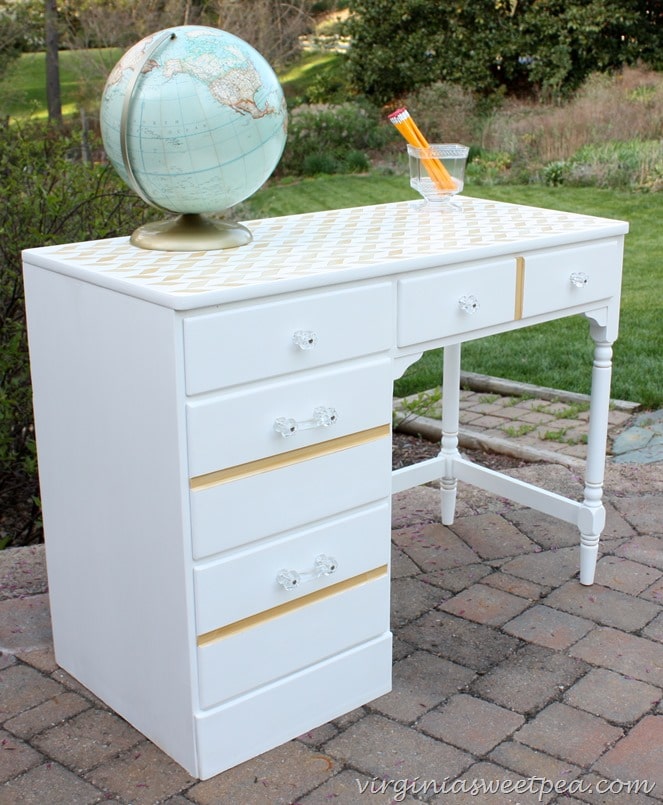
{"points": [[170, 502]]}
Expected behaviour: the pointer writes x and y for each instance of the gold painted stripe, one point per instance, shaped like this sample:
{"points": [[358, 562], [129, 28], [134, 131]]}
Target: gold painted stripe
{"points": [[286, 459], [520, 287], [291, 606]]}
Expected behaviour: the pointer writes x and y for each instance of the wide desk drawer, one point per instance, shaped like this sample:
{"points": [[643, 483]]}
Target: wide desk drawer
{"points": [[250, 342], [287, 641], [253, 505], [571, 277], [231, 429], [268, 576], [451, 301]]}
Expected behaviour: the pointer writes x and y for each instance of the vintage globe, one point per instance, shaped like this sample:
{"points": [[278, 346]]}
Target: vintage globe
{"points": [[194, 120]]}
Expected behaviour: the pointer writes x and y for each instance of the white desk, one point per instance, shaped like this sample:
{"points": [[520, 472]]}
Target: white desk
{"points": [[214, 448]]}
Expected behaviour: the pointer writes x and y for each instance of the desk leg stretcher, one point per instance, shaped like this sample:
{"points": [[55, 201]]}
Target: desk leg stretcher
{"points": [[449, 466]]}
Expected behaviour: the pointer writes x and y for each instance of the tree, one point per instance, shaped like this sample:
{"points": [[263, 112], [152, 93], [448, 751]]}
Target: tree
{"points": [[13, 19], [529, 46], [53, 97]]}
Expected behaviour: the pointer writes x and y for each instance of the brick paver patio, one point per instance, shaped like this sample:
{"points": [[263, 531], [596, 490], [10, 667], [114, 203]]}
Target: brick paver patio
{"points": [[507, 672]]}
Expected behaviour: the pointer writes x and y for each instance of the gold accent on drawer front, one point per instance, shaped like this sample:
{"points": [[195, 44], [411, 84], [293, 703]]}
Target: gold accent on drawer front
{"points": [[290, 606], [286, 459], [520, 287]]}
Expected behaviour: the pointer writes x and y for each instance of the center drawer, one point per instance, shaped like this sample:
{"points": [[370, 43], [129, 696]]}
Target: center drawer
{"points": [[244, 343], [228, 430], [435, 305]]}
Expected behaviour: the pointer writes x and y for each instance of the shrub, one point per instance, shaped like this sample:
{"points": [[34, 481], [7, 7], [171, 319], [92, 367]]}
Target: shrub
{"points": [[445, 113], [335, 131], [51, 196], [315, 164], [634, 163]]}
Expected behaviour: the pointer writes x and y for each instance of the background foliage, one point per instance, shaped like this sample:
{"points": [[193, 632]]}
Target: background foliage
{"points": [[517, 46], [54, 196]]}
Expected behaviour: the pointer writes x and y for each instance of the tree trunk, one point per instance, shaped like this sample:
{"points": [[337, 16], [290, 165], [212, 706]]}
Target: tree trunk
{"points": [[53, 98]]}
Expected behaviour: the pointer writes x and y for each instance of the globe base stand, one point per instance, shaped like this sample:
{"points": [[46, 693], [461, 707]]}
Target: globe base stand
{"points": [[191, 233]]}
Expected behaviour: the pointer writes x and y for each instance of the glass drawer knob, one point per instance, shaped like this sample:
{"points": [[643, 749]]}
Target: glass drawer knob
{"points": [[579, 279], [468, 304], [323, 565], [305, 339], [323, 416]]}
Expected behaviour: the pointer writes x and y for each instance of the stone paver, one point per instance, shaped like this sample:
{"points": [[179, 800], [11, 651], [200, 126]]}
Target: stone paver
{"points": [[17, 756], [492, 536], [434, 547], [529, 679], [646, 550], [24, 688], [409, 698], [25, 623], [411, 597], [485, 604], [385, 749], [602, 605], [624, 575], [280, 776], [141, 776], [548, 627], [88, 739], [505, 668], [548, 568], [471, 724], [629, 655], [569, 733], [52, 783], [473, 645], [612, 696], [638, 756]]}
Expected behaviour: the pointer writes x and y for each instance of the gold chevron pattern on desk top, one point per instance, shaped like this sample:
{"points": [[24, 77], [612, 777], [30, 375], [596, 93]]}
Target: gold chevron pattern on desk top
{"points": [[316, 243]]}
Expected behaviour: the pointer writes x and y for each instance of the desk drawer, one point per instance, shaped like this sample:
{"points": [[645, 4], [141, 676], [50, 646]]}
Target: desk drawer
{"points": [[576, 275], [235, 428], [245, 583], [285, 643], [229, 514], [450, 302], [247, 343]]}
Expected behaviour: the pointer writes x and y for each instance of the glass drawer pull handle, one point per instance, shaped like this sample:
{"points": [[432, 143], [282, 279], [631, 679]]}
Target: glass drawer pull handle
{"points": [[323, 565], [468, 304], [322, 417], [305, 339], [579, 279]]}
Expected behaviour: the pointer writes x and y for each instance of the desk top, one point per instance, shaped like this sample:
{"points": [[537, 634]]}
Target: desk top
{"points": [[323, 248]]}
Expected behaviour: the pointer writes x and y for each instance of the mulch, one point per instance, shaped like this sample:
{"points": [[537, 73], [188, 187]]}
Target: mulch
{"points": [[408, 449]]}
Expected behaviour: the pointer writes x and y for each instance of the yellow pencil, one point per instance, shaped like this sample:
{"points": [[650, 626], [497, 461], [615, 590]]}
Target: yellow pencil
{"points": [[404, 123]]}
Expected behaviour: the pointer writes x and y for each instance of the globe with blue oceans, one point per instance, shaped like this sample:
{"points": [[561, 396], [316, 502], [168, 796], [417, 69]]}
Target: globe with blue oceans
{"points": [[194, 120]]}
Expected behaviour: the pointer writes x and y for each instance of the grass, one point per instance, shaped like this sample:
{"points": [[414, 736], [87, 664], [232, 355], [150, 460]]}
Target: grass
{"points": [[557, 354], [23, 90]]}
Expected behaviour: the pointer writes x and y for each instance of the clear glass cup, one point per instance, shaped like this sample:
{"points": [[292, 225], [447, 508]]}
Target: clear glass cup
{"points": [[438, 172]]}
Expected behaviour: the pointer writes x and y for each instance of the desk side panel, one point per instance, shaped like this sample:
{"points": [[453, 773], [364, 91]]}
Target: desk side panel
{"points": [[109, 430]]}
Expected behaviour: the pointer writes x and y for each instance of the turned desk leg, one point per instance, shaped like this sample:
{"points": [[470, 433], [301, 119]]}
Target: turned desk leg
{"points": [[450, 409], [591, 518]]}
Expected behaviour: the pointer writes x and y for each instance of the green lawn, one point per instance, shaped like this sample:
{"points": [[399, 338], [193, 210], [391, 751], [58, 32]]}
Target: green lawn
{"points": [[556, 354], [23, 91]]}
